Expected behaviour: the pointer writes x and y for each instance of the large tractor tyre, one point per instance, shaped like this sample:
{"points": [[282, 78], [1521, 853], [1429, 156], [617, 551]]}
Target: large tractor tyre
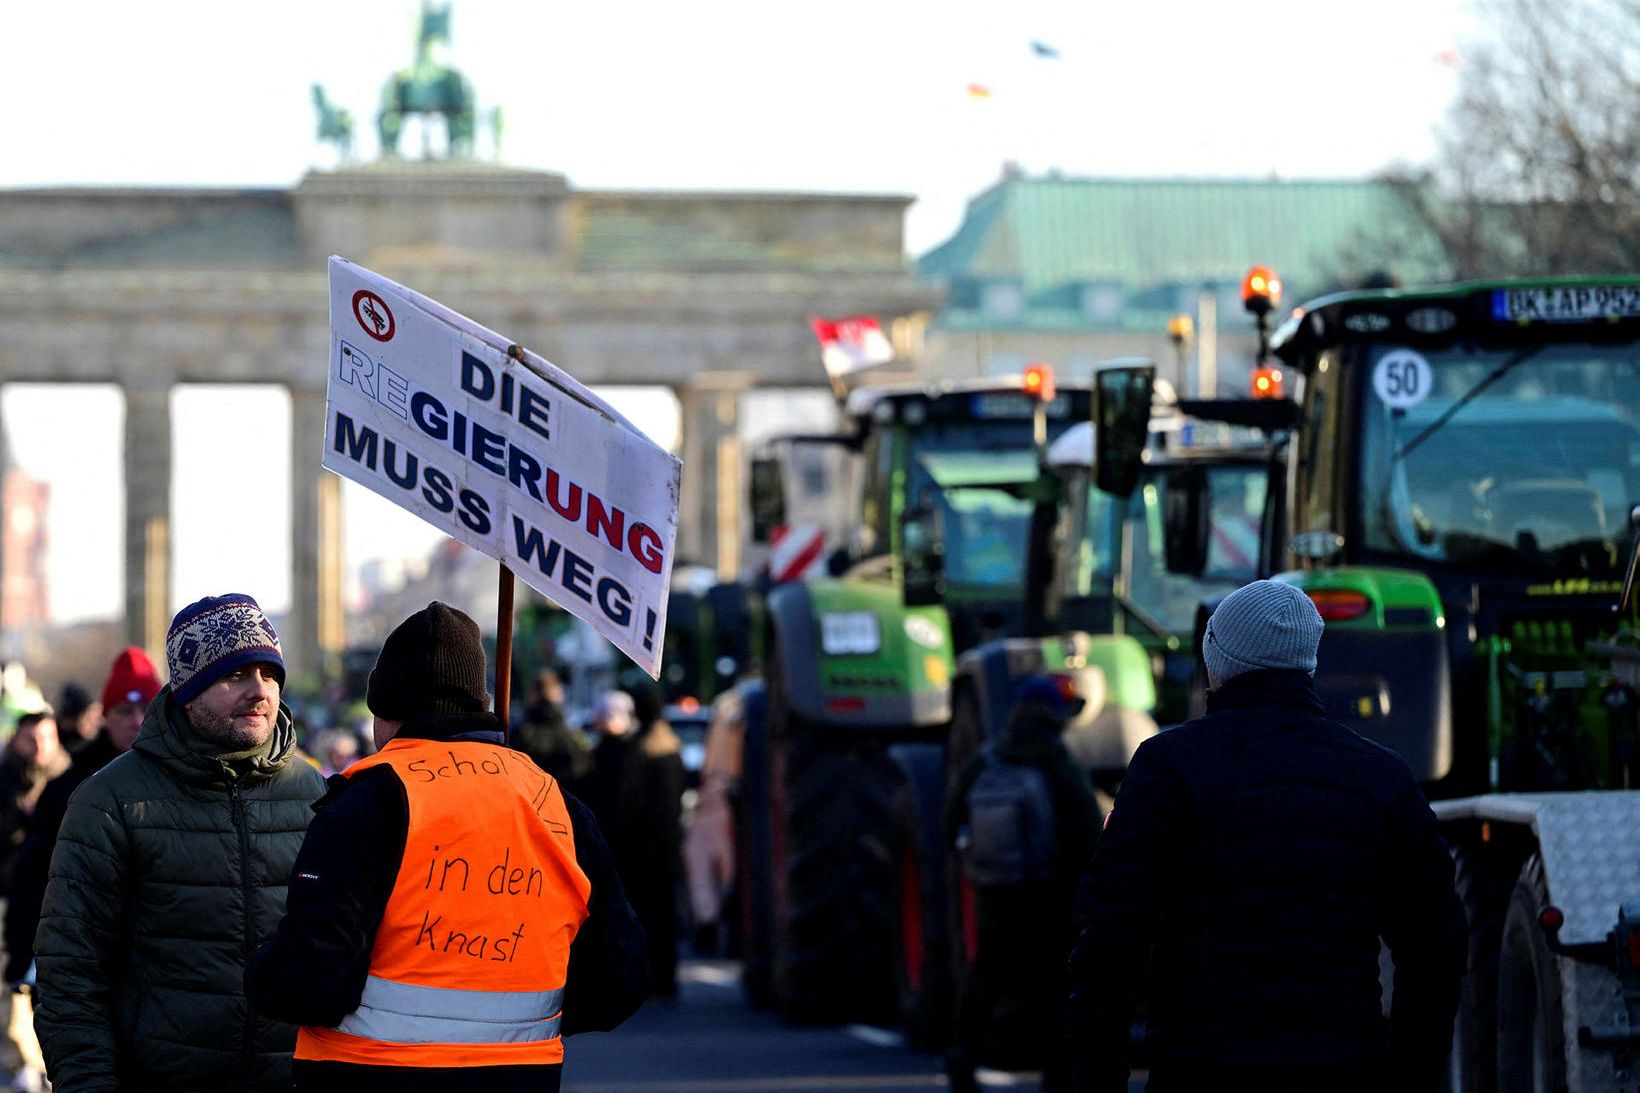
{"points": [[754, 883], [1485, 879], [836, 931], [967, 733], [1531, 1034], [922, 966]]}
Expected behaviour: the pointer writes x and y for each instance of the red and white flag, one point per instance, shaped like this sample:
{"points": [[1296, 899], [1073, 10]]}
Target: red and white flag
{"points": [[848, 345]]}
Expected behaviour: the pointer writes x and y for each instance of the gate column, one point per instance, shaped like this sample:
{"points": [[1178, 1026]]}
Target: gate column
{"points": [[148, 513], [711, 501], [313, 634]]}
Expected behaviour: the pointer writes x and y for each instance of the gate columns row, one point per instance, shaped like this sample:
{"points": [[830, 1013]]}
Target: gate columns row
{"points": [[709, 526]]}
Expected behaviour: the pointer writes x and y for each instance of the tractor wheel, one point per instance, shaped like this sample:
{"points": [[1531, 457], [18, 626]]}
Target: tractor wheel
{"points": [[836, 930], [922, 966], [754, 884], [1484, 881], [1531, 1033]]}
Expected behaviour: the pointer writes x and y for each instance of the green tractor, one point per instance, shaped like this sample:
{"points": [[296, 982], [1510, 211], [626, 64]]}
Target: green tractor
{"points": [[880, 682], [1104, 607], [857, 668], [1458, 505], [1103, 613]]}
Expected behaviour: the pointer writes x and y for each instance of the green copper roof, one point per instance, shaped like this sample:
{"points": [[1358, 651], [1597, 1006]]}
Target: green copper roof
{"points": [[1158, 240]]}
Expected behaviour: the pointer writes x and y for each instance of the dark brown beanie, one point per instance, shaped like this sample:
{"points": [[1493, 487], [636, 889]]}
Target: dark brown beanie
{"points": [[432, 662]]}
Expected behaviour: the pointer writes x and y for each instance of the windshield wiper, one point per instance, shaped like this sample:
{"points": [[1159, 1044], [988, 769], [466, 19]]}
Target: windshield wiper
{"points": [[1492, 377]]}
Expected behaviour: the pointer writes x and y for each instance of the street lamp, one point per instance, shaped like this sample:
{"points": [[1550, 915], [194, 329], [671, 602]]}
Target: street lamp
{"points": [[1180, 329]]}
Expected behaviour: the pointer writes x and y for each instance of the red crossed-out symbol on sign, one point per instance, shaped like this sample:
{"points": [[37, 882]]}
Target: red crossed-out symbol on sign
{"points": [[373, 314]]}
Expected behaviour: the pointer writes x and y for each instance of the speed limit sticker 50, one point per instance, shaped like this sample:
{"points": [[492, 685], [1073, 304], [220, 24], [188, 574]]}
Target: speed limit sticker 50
{"points": [[1402, 378]]}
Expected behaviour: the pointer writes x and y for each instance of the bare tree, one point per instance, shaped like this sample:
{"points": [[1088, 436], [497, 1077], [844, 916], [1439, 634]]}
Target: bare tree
{"points": [[1539, 164]]}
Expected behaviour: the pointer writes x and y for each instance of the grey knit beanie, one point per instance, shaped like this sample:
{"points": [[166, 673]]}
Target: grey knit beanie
{"points": [[1265, 624]]}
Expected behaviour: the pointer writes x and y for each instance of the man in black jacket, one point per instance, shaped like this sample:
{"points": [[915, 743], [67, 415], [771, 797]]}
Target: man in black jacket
{"points": [[396, 981], [1253, 861]]}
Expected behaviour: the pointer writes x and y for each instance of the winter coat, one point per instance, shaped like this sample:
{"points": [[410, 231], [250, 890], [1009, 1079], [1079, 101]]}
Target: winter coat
{"points": [[1034, 739], [553, 746], [21, 786], [1251, 864], [29, 873], [314, 970], [637, 782], [1012, 1003], [170, 869]]}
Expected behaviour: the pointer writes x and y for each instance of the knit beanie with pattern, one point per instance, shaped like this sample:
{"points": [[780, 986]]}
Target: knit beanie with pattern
{"points": [[212, 637], [131, 679], [1265, 624], [432, 662]]}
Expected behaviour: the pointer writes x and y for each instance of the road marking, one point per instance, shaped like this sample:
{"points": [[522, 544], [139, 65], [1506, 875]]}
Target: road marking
{"points": [[884, 1082], [876, 1037], [711, 975]]}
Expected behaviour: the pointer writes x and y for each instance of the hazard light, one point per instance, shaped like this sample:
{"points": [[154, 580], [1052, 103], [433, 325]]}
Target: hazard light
{"points": [[1260, 291], [1268, 382], [1339, 604], [1039, 382]]}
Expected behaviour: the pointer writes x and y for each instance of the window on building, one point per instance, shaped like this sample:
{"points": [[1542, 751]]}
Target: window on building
{"points": [[1102, 301], [1003, 300]]}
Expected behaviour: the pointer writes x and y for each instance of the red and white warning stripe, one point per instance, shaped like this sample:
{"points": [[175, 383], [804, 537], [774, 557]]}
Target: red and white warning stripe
{"points": [[796, 551]]}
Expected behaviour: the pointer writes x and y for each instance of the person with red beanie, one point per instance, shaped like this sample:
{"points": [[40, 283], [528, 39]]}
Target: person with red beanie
{"points": [[132, 683]]}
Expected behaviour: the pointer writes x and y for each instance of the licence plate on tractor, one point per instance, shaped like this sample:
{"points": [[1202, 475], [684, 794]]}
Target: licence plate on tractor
{"points": [[1566, 304]]}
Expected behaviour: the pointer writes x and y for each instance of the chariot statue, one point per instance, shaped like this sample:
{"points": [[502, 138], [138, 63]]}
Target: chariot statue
{"points": [[428, 87]]}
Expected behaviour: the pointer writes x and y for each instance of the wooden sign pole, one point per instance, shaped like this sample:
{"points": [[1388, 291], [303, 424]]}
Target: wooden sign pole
{"points": [[503, 649]]}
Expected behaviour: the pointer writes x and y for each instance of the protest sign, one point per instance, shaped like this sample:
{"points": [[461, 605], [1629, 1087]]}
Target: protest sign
{"points": [[503, 451]]}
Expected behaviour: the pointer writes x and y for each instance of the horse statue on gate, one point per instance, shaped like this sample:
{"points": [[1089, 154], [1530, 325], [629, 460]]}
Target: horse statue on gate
{"points": [[427, 87], [335, 124]]}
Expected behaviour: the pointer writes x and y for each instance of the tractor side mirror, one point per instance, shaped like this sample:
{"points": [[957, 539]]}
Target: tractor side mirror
{"points": [[922, 554], [1121, 426], [1186, 523], [768, 498]]}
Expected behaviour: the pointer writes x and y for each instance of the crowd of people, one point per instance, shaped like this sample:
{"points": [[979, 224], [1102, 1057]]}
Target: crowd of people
{"points": [[131, 905], [195, 900]]}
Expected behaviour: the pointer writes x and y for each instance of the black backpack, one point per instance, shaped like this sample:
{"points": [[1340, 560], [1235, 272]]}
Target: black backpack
{"points": [[1010, 833]]}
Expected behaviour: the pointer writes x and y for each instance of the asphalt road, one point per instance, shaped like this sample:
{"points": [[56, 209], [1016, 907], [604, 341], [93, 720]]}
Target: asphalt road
{"points": [[709, 1041]]}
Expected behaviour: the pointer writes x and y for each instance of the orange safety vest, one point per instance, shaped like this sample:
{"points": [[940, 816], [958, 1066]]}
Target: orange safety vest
{"points": [[472, 952]]}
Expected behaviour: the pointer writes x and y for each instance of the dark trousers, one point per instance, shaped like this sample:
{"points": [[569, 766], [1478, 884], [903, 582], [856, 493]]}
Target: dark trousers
{"points": [[1011, 1009]]}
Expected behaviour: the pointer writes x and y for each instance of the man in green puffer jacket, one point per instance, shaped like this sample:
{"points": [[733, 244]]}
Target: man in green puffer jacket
{"points": [[171, 869]]}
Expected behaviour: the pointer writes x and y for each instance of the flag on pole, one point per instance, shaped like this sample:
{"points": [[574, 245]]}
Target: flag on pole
{"points": [[848, 345]]}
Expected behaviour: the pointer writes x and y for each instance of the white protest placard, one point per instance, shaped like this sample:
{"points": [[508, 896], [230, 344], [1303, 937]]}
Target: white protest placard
{"points": [[504, 451]]}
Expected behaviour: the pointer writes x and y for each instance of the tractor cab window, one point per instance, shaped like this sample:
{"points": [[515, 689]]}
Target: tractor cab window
{"points": [[1525, 459], [1235, 509], [975, 474]]}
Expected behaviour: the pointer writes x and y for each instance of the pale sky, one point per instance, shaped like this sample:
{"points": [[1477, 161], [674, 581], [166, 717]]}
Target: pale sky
{"points": [[851, 96]]}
